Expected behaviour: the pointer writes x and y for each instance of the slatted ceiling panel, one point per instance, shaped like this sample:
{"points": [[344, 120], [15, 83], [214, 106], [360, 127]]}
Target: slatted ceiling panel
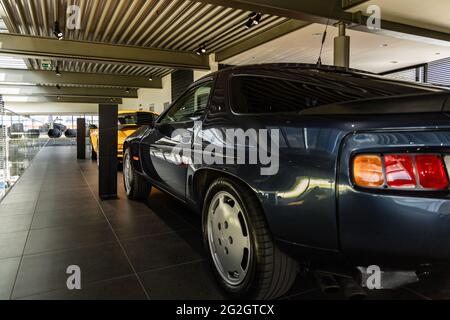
{"points": [[180, 25], [76, 66], [169, 24], [439, 72], [405, 75]]}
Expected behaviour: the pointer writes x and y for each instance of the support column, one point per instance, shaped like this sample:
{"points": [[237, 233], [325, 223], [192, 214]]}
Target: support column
{"points": [[81, 138], [181, 80], [107, 156], [342, 47]]}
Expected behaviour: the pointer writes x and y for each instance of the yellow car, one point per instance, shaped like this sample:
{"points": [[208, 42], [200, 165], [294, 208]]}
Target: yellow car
{"points": [[127, 126]]}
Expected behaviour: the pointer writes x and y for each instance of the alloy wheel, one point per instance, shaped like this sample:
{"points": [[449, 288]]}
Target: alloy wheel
{"points": [[229, 238]]}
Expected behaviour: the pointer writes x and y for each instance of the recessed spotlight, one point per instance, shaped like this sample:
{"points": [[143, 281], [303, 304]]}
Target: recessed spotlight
{"points": [[257, 19], [437, 53], [383, 45], [57, 31], [59, 98], [253, 20], [201, 50], [150, 78], [127, 90], [394, 62]]}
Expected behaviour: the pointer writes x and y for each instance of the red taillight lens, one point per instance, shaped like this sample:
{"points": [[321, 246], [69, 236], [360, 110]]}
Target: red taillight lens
{"points": [[431, 171], [400, 171]]}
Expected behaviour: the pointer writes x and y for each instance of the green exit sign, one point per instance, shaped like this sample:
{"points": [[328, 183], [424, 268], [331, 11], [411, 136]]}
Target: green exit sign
{"points": [[46, 65]]}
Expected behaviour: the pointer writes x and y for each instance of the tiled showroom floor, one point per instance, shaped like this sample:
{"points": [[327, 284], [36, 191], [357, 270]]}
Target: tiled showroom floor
{"points": [[52, 219]]}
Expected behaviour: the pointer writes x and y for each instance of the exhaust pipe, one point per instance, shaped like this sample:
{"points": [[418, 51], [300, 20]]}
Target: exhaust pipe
{"points": [[352, 290], [327, 282]]}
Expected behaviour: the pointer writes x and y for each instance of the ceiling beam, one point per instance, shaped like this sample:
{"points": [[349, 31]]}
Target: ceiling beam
{"points": [[12, 76], [323, 11], [67, 92], [11, 98], [40, 47], [261, 38], [348, 4]]}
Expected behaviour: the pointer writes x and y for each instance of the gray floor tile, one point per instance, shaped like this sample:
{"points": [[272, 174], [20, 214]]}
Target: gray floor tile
{"points": [[155, 252], [8, 271], [14, 223], [47, 272], [184, 282], [126, 288], [12, 244], [50, 239]]}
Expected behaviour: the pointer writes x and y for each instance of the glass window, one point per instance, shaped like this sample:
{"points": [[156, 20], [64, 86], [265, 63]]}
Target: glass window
{"points": [[127, 119], [189, 107], [257, 94]]}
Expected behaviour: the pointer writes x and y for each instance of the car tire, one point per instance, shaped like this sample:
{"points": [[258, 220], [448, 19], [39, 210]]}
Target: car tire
{"points": [[137, 187], [270, 272]]}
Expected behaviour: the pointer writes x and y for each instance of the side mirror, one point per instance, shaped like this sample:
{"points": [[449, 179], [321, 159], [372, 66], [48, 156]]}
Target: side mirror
{"points": [[145, 119]]}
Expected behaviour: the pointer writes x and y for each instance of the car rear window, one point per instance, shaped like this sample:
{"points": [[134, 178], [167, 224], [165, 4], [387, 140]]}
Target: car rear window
{"points": [[127, 119], [264, 94]]}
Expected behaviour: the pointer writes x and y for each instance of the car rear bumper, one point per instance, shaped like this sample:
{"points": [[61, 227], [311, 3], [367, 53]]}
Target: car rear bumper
{"points": [[378, 229]]}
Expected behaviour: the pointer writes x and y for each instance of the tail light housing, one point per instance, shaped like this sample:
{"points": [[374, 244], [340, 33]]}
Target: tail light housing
{"points": [[400, 171]]}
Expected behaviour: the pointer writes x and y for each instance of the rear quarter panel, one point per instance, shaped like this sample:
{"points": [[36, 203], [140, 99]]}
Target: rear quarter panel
{"points": [[377, 226]]}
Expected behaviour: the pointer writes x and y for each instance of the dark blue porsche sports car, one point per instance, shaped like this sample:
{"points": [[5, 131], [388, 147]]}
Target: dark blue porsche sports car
{"points": [[299, 167]]}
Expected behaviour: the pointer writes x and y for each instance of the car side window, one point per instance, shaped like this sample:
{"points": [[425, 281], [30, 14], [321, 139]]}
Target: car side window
{"points": [[189, 107]]}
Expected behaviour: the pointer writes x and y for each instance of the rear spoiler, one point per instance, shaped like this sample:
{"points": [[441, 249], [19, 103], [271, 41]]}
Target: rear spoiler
{"points": [[418, 103]]}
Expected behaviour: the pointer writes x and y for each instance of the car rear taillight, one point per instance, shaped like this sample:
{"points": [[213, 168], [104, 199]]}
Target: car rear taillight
{"points": [[400, 171], [368, 171], [431, 171]]}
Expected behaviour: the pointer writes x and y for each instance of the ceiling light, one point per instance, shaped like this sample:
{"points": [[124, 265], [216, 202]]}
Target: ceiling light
{"points": [[57, 31], [150, 78], [127, 90], [253, 20], [257, 18], [201, 50], [249, 23]]}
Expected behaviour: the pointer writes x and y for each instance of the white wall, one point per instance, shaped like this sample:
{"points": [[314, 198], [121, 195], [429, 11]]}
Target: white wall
{"points": [[146, 97]]}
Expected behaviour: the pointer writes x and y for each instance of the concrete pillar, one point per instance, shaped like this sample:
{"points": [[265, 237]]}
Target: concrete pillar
{"points": [[81, 138], [107, 157], [342, 47]]}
